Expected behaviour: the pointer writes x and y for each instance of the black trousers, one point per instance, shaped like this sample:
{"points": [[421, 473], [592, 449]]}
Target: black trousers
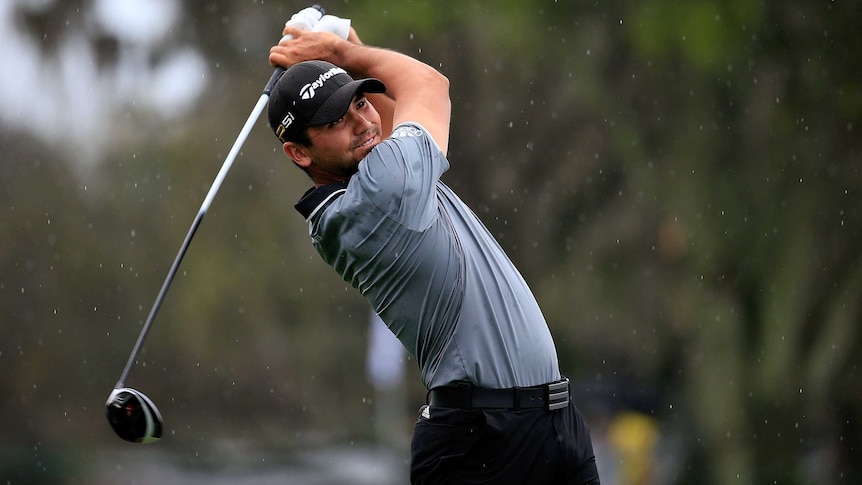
{"points": [[502, 447]]}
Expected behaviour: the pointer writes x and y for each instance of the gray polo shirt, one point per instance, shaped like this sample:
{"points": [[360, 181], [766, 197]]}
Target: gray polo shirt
{"points": [[430, 268]]}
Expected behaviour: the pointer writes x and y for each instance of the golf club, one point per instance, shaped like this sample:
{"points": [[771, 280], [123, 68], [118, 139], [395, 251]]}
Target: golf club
{"points": [[132, 415]]}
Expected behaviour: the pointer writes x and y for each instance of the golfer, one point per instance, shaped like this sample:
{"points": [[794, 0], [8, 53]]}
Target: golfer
{"points": [[370, 127]]}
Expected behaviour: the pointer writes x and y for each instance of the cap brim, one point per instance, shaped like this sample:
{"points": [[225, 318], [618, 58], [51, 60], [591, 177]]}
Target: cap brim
{"points": [[338, 102]]}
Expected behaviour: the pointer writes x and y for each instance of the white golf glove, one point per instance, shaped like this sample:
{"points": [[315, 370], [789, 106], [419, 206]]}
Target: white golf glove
{"points": [[336, 25], [305, 19], [313, 19]]}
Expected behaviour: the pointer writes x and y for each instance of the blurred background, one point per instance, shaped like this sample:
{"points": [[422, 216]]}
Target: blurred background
{"points": [[679, 182]]}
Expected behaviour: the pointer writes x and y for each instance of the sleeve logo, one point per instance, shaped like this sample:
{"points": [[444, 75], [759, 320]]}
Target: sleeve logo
{"points": [[405, 131]]}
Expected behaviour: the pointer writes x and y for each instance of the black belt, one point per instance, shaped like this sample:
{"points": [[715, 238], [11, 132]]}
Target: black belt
{"points": [[550, 396]]}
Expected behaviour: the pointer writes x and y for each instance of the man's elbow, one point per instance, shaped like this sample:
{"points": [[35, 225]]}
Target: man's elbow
{"points": [[440, 84], [433, 79]]}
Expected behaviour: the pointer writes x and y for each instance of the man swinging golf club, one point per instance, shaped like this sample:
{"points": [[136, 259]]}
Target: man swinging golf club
{"points": [[374, 146]]}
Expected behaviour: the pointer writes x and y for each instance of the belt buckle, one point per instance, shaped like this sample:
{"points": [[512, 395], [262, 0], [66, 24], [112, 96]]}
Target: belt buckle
{"points": [[558, 394]]}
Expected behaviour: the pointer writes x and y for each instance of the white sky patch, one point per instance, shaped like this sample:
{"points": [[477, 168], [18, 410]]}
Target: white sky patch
{"points": [[137, 21], [20, 68], [66, 98], [179, 81]]}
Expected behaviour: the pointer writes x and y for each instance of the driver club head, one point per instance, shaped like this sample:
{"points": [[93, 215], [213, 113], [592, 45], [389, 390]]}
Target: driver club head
{"points": [[133, 416]]}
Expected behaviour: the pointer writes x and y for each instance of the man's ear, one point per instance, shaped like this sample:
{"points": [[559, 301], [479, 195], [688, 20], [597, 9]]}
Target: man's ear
{"points": [[297, 153]]}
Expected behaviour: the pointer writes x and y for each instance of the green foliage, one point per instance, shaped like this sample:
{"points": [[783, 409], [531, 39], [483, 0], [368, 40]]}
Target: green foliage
{"points": [[710, 35]]}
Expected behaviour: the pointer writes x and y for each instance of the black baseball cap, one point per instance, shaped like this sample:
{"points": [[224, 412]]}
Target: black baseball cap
{"points": [[313, 93]]}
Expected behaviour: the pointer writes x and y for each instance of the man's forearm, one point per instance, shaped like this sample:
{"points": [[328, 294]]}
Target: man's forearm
{"points": [[401, 73]]}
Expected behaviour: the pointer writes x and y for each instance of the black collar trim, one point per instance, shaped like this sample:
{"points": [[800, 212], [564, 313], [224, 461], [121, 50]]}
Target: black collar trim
{"points": [[316, 199]]}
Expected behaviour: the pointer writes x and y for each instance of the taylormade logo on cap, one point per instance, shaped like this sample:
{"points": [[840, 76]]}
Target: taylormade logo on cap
{"points": [[308, 91]]}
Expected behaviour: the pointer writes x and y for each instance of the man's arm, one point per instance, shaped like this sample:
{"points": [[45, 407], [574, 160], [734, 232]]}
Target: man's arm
{"points": [[420, 92], [384, 105]]}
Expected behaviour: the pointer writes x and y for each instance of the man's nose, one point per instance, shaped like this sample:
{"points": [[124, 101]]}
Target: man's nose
{"points": [[361, 122]]}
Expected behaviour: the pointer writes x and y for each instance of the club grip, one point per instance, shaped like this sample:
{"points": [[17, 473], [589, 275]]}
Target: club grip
{"points": [[276, 74]]}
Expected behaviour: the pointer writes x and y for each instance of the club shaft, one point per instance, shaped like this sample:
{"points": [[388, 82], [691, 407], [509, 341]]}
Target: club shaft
{"points": [[225, 168]]}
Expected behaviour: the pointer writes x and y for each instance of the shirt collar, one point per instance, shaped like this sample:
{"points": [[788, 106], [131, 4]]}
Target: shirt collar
{"points": [[316, 199]]}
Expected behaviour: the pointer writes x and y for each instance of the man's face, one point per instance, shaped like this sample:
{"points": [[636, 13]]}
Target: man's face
{"points": [[338, 147]]}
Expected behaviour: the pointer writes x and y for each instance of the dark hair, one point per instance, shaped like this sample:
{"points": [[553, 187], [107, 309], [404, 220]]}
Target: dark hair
{"points": [[301, 138]]}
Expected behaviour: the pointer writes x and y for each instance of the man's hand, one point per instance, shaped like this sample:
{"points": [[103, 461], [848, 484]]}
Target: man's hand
{"points": [[304, 21], [299, 45]]}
